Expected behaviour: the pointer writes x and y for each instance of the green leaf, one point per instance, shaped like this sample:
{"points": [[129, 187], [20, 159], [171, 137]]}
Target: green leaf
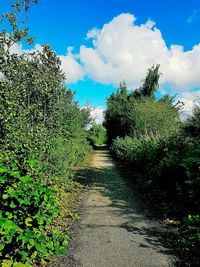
{"points": [[25, 179], [4, 169], [39, 247], [3, 178], [9, 215], [1, 247], [27, 201], [60, 250], [32, 242], [30, 234], [19, 264], [40, 220], [12, 205], [7, 263], [20, 200], [24, 255], [32, 162], [23, 238], [9, 239], [50, 245], [28, 221]]}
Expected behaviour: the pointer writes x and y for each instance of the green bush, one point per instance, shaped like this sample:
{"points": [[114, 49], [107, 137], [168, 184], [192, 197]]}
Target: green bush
{"points": [[97, 135], [139, 113], [169, 172], [28, 211], [39, 119], [161, 160]]}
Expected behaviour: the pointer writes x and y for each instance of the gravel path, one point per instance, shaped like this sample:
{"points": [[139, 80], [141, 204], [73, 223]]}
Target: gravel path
{"points": [[112, 232]]}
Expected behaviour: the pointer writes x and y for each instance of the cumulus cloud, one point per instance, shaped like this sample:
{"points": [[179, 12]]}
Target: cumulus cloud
{"points": [[124, 50], [97, 114], [190, 99], [17, 48], [72, 69]]}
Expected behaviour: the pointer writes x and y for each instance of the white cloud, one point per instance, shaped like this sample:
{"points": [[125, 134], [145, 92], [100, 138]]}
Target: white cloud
{"points": [[70, 66], [17, 48], [92, 33], [190, 99], [124, 50], [97, 114]]}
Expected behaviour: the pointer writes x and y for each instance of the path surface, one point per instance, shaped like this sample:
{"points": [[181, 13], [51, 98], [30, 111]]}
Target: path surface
{"points": [[112, 232]]}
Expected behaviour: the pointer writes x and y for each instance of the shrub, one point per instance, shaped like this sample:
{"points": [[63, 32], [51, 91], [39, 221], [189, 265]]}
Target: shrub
{"points": [[97, 135], [28, 210], [39, 119], [169, 170]]}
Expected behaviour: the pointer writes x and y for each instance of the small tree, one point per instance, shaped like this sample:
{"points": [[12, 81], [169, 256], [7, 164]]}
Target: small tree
{"points": [[97, 135]]}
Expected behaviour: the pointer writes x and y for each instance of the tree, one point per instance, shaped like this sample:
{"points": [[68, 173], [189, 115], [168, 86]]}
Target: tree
{"points": [[115, 114], [192, 124], [42, 140], [138, 112], [150, 83], [97, 135]]}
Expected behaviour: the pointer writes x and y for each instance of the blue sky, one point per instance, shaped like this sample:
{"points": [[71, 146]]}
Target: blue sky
{"points": [[95, 73], [64, 23]]}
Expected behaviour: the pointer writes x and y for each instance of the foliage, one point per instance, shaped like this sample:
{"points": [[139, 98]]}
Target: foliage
{"points": [[28, 208], [192, 125], [168, 152], [150, 85], [97, 135], [40, 120], [161, 154], [138, 113], [169, 169]]}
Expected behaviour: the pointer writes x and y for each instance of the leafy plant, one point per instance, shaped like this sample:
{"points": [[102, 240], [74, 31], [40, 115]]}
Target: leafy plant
{"points": [[28, 209], [39, 119], [97, 135]]}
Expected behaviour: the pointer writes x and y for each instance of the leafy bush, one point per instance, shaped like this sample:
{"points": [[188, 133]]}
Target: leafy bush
{"points": [[169, 170], [39, 119], [138, 112], [161, 160], [97, 135], [28, 210], [161, 152]]}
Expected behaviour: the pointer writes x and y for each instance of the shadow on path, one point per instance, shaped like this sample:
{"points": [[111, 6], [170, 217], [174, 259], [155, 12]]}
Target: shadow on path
{"points": [[114, 231], [121, 197]]}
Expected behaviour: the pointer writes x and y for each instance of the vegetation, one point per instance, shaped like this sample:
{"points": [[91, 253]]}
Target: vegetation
{"points": [[97, 135], [162, 155], [42, 140], [135, 114]]}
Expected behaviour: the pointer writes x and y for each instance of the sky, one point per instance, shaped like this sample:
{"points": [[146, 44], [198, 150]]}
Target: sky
{"points": [[101, 42]]}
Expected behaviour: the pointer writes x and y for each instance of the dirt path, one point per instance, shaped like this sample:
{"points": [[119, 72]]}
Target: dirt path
{"points": [[112, 232]]}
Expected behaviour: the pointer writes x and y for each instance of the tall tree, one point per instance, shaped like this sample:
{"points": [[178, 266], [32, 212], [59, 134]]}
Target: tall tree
{"points": [[150, 83], [136, 113]]}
